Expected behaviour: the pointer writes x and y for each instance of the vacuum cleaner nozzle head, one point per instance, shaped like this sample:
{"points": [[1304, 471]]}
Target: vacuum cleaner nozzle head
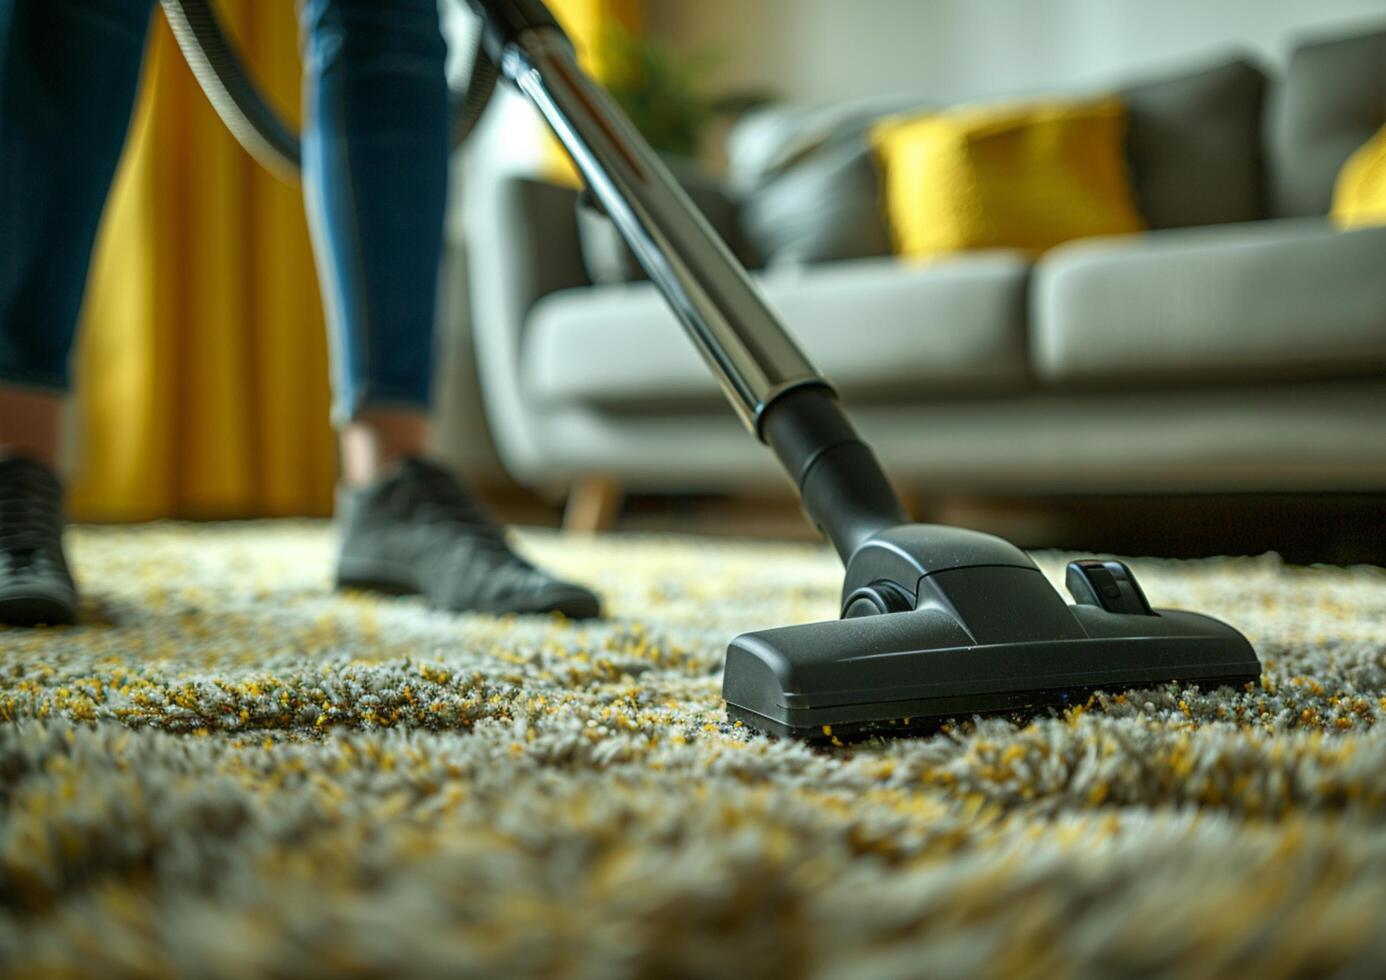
{"points": [[968, 638]]}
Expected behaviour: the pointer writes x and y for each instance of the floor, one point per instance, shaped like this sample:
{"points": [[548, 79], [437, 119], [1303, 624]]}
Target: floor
{"points": [[227, 770]]}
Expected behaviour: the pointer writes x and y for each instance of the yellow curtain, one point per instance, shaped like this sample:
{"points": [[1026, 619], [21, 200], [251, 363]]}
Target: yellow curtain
{"points": [[202, 386]]}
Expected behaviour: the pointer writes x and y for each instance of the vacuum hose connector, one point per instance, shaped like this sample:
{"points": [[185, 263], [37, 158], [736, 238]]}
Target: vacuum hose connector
{"points": [[843, 488]]}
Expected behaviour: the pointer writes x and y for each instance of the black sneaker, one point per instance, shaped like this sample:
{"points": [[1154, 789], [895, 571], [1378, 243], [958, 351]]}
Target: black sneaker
{"points": [[418, 531], [35, 586]]}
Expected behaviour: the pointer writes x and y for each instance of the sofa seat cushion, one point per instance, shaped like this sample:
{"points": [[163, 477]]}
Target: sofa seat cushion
{"points": [[881, 330], [1294, 299]]}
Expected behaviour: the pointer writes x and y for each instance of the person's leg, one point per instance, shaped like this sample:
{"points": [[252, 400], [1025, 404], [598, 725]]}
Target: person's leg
{"points": [[377, 440], [375, 170], [68, 74], [375, 174], [31, 425]]}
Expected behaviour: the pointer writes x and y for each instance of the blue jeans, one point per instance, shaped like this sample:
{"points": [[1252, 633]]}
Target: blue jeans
{"points": [[375, 179]]}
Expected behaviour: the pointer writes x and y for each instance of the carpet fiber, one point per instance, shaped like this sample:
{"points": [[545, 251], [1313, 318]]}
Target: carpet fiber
{"points": [[228, 771]]}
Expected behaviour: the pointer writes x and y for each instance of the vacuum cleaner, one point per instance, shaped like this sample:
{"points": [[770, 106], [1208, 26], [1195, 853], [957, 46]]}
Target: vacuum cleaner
{"points": [[936, 622]]}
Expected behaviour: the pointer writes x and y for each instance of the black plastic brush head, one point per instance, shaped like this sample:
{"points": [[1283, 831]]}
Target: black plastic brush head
{"points": [[942, 623]]}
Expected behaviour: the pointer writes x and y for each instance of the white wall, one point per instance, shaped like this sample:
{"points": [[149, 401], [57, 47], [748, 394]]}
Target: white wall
{"points": [[962, 49]]}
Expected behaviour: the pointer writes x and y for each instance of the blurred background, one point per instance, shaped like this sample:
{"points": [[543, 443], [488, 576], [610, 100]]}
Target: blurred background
{"points": [[1155, 325]]}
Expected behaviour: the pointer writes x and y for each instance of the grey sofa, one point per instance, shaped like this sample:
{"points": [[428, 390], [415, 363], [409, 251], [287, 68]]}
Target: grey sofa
{"points": [[1240, 345]]}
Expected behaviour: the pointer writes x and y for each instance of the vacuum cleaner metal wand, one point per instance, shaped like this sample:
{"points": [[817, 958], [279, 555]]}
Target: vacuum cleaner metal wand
{"points": [[936, 621], [778, 393], [751, 353]]}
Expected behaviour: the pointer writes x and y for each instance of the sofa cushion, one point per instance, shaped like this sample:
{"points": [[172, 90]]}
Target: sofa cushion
{"points": [[1266, 300], [769, 140], [1194, 142], [1332, 101], [1359, 194], [882, 331], [825, 210], [1029, 175], [810, 191]]}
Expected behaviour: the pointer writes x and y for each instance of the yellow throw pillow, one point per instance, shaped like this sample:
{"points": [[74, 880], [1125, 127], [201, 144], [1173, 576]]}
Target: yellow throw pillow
{"points": [[1359, 196], [1020, 176]]}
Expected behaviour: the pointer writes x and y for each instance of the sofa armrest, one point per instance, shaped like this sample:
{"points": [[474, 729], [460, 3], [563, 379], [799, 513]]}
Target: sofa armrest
{"points": [[522, 244]]}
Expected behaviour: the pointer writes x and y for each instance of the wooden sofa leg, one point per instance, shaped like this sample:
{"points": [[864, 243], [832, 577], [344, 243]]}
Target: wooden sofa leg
{"points": [[593, 504]]}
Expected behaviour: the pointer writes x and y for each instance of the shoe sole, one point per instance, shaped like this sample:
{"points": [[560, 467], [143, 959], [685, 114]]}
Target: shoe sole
{"points": [[36, 610], [373, 575], [390, 578]]}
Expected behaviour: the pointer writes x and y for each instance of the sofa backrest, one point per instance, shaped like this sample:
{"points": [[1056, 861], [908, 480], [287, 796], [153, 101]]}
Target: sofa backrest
{"points": [[811, 192], [1332, 101], [1195, 144]]}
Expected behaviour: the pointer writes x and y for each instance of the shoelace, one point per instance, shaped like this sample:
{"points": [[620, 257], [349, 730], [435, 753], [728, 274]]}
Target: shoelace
{"points": [[430, 495], [31, 517], [482, 565], [479, 562], [462, 571]]}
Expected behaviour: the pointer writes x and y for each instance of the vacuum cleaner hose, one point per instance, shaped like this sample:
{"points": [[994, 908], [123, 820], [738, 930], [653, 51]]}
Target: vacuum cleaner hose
{"points": [[222, 74]]}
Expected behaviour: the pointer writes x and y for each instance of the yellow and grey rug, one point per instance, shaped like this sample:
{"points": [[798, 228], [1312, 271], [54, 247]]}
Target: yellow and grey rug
{"points": [[228, 771]]}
